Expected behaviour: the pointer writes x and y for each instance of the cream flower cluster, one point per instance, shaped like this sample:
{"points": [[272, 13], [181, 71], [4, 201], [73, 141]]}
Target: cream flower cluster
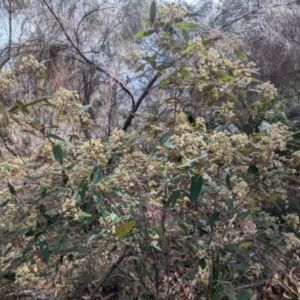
{"points": [[227, 45], [268, 90], [69, 208], [7, 81], [276, 137], [254, 270], [66, 97], [9, 213], [171, 11], [11, 167], [93, 149], [28, 62], [25, 276]]}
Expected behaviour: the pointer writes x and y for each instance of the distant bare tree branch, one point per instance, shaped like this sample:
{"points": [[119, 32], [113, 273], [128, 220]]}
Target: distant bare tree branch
{"points": [[97, 67]]}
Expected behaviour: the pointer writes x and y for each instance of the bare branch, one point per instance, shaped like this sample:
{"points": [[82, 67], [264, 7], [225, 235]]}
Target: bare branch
{"points": [[82, 19], [110, 271], [138, 103], [9, 36], [30, 293], [90, 62]]}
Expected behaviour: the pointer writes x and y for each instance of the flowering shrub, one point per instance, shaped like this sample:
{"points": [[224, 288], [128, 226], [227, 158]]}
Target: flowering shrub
{"points": [[187, 209]]}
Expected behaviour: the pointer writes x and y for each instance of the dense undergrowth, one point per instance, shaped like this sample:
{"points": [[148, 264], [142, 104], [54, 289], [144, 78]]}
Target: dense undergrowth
{"points": [[173, 209]]}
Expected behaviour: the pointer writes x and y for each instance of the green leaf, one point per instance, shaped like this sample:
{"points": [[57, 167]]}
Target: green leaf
{"points": [[24, 216], [213, 218], [173, 198], [202, 263], [243, 214], [190, 15], [151, 60], [241, 55], [43, 191], [4, 117], [83, 214], [244, 245], [227, 179], [223, 76], [39, 77], [22, 106], [165, 137], [97, 196], [11, 189], [57, 248], [185, 73], [186, 26], [78, 249], [229, 295], [65, 177], [164, 83], [253, 169], [14, 109], [11, 276], [196, 186], [153, 11], [83, 188], [54, 136], [97, 236], [58, 154], [245, 295], [144, 33], [82, 109], [140, 68], [192, 120], [229, 204], [124, 229], [241, 266], [208, 88], [44, 274], [186, 35], [4, 203], [45, 252], [189, 163], [97, 177], [62, 115], [36, 102]]}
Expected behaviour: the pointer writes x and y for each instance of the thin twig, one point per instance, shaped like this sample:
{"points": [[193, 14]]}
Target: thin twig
{"points": [[110, 271], [252, 285], [30, 293]]}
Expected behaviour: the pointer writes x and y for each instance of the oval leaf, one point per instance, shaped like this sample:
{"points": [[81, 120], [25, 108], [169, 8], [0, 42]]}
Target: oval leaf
{"points": [[253, 169], [196, 186], [82, 109], [97, 177], [11, 189], [58, 154], [4, 121], [124, 229], [45, 253], [78, 249], [153, 11], [54, 136], [144, 33], [186, 26], [173, 198], [241, 55], [245, 295], [185, 73]]}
